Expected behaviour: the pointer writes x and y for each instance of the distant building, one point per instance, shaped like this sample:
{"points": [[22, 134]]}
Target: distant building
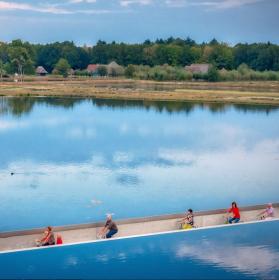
{"points": [[198, 68], [92, 69], [71, 72], [114, 69], [41, 71]]}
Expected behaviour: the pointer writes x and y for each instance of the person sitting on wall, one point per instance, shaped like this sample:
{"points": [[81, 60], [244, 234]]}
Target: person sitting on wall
{"points": [[235, 218], [268, 213], [48, 238], [109, 229], [188, 221]]}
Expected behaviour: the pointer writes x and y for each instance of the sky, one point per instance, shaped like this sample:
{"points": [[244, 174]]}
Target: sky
{"points": [[133, 21]]}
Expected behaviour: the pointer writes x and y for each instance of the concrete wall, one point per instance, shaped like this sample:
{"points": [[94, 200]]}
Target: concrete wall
{"points": [[149, 225]]}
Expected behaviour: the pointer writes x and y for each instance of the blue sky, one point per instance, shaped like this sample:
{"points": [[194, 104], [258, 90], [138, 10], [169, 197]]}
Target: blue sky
{"points": [[86, 21]]}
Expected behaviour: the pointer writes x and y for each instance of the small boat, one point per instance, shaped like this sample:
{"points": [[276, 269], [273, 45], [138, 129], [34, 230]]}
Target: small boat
{"points": [[83, 233]]}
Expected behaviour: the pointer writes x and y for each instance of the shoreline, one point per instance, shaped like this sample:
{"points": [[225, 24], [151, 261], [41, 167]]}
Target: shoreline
{"points": [[251, 93]]}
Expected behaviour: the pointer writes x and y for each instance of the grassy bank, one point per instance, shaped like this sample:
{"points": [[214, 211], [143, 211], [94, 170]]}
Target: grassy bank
{"points": [[227, 92]]}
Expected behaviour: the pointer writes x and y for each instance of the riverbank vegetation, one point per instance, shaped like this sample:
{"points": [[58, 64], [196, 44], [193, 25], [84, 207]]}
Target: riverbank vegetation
{"points": [[171, 73], [159, 60], [257, 93]]}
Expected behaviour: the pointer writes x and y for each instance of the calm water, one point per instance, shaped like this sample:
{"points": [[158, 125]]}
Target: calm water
{"points": [[225, 253], [76, 159]]}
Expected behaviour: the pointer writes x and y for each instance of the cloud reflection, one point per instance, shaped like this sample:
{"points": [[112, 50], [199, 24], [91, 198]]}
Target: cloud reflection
{"points": [[248, 259]]}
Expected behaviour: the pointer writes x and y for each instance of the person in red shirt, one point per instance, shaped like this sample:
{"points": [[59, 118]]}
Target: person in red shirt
{"points": [[235, 214], [59, 240]]}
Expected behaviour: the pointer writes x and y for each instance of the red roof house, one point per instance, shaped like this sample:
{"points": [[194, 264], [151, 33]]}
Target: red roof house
{"points": [[92, 68], [198, 68]]}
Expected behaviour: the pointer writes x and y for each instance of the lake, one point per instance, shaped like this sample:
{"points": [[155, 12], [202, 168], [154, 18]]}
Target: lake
{"points": [[68, 160], [231, 252]]}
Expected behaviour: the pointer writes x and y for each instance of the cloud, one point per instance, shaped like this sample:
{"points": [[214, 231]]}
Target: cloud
{"points": [[82, 1], [126, 3], [10, 6], [66, 7], [234, 3], [52, 8], [253, 260], [215, 4], [9, 125]]}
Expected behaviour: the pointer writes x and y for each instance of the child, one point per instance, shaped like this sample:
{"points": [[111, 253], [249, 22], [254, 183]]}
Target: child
{"points": [[59, 240]]}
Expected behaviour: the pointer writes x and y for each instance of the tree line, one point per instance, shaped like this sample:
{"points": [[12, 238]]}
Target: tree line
{"points": [[24, 57]]}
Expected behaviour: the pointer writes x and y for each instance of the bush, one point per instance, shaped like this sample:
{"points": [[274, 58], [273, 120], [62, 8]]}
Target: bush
{"points": [[130, 71], [102, 71], [200, 76], [213, 74], [82, 73], [161, 73], [62, 67], [244, 73]]}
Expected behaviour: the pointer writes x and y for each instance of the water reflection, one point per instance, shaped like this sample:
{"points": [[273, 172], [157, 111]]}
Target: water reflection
{"points": [[23, 105], [127, 179], [242, 255], [255, 260], [223, 253], [135, 157]]}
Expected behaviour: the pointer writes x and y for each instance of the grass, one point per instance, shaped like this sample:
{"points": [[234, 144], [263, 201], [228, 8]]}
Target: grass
{"points": [[226, 92]]}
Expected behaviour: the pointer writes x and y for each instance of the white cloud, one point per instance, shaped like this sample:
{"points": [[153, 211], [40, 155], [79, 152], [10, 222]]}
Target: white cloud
{"points": [[215, 4], [10, 6], [176, 3], [226, 4], [80, 133], [9, 125], [82, 1], [126, 3], [122, 157], [52, 9], [255, 260], [65, 7]]}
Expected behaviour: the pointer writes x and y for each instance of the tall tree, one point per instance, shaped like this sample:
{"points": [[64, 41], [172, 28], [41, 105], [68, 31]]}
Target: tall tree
{"points": [[2, 70], [21, 60], [62, 67]]}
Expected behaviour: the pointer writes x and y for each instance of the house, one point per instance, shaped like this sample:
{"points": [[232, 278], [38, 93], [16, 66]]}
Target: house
{"points": [[198, 68], [41, 71], [71, 72], [92, 69], [114, 69]]}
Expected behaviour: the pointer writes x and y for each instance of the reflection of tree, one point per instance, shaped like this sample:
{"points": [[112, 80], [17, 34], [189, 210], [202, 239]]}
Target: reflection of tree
{"points": [[22, 105], [179, 107], [66, 103], [255, 108], [18, 106], [158, 106], [3, 106]]}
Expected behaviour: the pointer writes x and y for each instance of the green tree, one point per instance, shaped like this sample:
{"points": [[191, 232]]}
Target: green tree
{"points": [[213, 74], [130, 71], [2, 69], [21, 60], [221, 56], [62, 67], [102, 71]]}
